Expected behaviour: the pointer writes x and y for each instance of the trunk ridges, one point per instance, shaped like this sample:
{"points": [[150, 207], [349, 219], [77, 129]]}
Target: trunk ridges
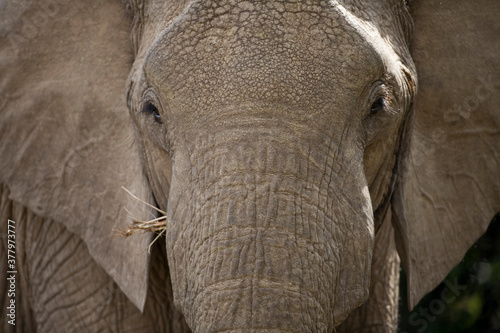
{"points": [[258, 231]]}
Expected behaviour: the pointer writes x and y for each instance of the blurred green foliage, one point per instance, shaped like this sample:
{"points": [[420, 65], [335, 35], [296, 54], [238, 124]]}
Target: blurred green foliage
{"points": [[471, 301]]}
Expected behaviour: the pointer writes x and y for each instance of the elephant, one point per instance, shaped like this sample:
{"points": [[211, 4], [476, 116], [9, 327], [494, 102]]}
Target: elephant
{"points": [[290, 147]]}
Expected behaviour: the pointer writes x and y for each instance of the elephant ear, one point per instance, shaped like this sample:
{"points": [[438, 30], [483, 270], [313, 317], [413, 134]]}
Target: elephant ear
{"points": [[67, 143], [449, 189]]}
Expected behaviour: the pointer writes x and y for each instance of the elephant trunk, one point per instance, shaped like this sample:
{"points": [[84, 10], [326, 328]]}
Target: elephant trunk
{"points": [[258, 232]]}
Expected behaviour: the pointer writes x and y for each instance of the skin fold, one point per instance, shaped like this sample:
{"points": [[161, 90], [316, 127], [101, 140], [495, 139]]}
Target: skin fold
{"points": [[286, 141]]}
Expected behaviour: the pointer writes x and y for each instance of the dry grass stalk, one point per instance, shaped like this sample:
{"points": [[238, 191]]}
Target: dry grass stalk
{"points": [[158, 224]]}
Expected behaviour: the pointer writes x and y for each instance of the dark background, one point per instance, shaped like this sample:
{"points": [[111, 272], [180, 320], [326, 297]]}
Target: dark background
{"points": [[476, 307]]}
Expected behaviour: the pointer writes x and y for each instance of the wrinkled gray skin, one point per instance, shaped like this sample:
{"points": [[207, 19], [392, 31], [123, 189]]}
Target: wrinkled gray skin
{"points": [[274, 134], [276, 159]]}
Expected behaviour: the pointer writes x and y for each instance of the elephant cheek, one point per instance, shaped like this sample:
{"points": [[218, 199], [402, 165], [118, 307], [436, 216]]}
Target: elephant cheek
{"points": [[267, 246]]}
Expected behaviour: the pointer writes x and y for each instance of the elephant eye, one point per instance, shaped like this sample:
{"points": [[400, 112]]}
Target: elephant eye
{"points": [[377, 106], [150, 108]]}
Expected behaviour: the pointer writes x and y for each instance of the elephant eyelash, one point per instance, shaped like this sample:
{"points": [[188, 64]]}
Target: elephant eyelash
{"points": [[385, 101]]}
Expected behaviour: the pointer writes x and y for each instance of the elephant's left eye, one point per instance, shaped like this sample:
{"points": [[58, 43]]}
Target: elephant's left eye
{"points": [[377, 106], [379, 115], [150, 108]]}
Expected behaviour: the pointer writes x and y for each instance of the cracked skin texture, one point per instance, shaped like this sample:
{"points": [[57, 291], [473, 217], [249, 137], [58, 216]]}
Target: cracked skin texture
{"points": [[276, 136], [269, 204]]}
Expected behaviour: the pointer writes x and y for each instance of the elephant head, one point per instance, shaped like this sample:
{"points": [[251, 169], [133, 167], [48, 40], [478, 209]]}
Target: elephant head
{"points": [[269, 140], [276, 135]]}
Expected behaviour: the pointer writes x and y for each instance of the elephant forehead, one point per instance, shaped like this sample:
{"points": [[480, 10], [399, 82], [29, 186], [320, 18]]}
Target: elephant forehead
{"points": [[303, 53]]}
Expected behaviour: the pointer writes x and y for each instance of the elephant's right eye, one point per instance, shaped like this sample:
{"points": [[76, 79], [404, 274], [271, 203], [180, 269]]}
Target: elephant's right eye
{"points": [[150, 108]]}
